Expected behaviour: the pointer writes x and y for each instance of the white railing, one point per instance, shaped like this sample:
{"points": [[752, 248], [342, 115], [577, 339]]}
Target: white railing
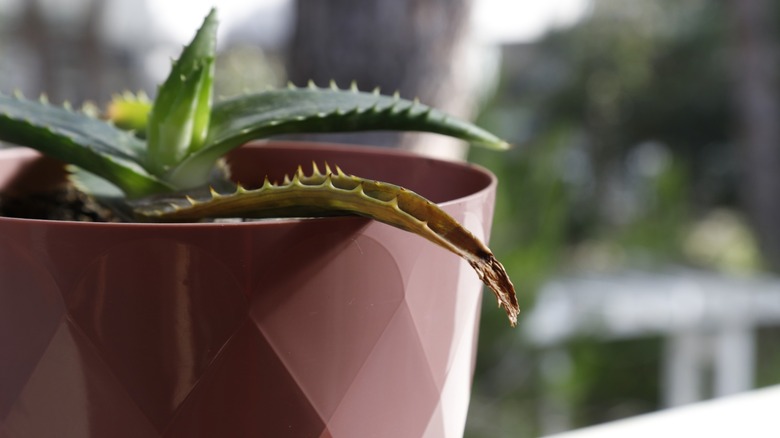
{"points": [[708, 321]]}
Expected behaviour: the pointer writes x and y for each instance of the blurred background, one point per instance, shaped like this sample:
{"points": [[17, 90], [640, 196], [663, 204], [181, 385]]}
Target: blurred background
{"points": [[638, 214]]}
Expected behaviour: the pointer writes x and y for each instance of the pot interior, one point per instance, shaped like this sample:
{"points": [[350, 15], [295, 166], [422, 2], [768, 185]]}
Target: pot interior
{"points": [[438, 180]]}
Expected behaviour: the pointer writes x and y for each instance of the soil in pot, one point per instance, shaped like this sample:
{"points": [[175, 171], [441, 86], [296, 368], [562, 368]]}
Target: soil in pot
{"points": [[63, 203]]}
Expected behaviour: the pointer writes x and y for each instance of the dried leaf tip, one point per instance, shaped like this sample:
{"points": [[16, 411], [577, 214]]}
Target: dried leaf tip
{"points": [[493, 274]]}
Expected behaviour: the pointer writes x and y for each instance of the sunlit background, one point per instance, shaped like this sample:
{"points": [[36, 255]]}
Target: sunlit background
{"points": [[638, 214]]}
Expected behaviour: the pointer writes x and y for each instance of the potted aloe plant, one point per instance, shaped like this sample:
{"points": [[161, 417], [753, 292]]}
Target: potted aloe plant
{"points": [[284, 327]]}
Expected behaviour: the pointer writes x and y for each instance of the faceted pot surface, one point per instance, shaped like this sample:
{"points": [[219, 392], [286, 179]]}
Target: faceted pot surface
{"points": [[338, 327]]}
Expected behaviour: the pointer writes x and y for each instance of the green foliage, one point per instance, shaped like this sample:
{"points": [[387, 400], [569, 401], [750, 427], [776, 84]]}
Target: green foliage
{"points": [[316, 110], [625, 384], [630, 74], [187, 134], [130, 112], [74, 137], [179, 118]]}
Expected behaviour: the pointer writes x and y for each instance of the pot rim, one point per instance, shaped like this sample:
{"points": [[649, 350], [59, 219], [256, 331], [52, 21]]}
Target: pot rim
{"points": [[19, 152]]}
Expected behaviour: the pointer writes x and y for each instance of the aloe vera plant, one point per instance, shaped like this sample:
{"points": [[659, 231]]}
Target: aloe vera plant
{"points": [[185, 133]]}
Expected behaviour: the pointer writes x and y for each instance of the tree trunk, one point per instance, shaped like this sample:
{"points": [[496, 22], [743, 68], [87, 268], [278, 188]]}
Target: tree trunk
{"points": [[70, 58], [415, 47], [758, 112], [35, 32]]}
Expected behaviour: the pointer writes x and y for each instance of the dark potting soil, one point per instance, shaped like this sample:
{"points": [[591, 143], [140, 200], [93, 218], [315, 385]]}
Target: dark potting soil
{"points": [[64, 203]]}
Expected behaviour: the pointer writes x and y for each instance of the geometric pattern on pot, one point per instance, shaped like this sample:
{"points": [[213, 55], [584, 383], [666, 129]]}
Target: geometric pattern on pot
{"points": [[113, 354], [341, 306], [246, 392], [446, 319], [351, 308], [30, 311], [135, 304], [72, 393], [444, 314]]}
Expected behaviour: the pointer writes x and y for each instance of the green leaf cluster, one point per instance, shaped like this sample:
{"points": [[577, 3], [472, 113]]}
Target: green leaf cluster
{"points": [[176, 141]]}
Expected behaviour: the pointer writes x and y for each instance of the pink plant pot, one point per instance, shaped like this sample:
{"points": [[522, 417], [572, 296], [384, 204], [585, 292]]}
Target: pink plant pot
{"points": [[339, 327]]}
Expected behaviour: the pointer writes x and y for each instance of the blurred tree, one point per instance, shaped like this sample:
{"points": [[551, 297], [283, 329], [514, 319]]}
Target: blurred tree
{"points": [[61, 47], [625, 127], [413, 46], [758, 110], [76, 50]]}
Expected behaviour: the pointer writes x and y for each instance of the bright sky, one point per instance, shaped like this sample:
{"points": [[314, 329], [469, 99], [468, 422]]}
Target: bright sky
{"points": [[494, 20], [179, 17], [523, 20]]}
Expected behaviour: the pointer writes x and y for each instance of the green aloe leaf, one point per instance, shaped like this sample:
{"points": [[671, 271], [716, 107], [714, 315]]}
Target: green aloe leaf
{"points": [[336, 193], [179, 119], [317, 110], [78, 139], [130, 112]]}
